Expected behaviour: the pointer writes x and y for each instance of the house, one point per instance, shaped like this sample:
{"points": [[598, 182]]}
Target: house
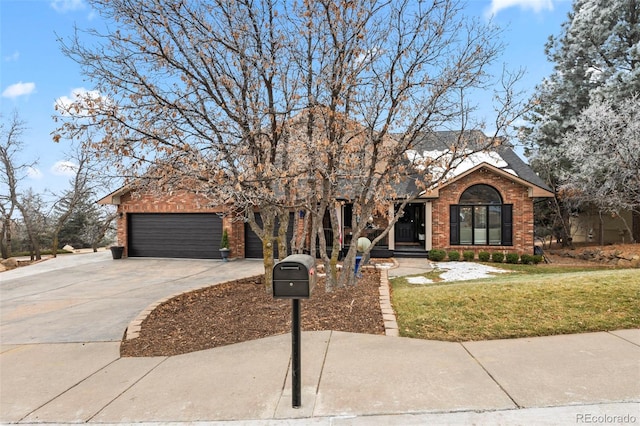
{"points": [[484, 203], [592, 227]]}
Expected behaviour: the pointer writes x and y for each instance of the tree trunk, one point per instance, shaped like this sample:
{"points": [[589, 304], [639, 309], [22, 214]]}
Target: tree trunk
{"points": [[102, 230], [6, 239], [283, 225], [627, 228], [562, 215], [268, 215], [313, 236], [268, 262], [54, 245], [8, 235], [34, 243], [344, 279]]}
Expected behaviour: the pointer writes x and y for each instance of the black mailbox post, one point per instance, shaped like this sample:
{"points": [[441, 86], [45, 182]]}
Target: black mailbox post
{"points": [[294, 278]]}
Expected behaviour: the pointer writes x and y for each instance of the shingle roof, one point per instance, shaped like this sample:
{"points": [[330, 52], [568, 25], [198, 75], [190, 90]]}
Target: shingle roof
{"points": [[502, 156]]}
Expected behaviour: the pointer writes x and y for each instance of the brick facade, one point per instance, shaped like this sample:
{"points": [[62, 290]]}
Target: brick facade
{"points": [[178, 202], [511, 193]]}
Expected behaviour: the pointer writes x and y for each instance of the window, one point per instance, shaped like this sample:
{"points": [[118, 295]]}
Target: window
{"points": [[481, 219]]}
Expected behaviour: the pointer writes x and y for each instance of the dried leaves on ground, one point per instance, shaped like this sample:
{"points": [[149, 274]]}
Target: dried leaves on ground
{"points": [[242, 310]]}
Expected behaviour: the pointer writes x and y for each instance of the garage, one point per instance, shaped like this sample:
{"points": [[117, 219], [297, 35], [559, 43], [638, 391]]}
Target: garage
{"points": [[253, 243], [174, 235]]}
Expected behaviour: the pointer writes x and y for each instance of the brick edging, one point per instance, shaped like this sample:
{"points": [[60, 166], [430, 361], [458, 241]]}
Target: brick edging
{"points": [[388, 314]]}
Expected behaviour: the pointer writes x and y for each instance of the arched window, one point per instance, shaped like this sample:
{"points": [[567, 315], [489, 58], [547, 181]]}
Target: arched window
{"points": [[481, 218], [481, 194]]}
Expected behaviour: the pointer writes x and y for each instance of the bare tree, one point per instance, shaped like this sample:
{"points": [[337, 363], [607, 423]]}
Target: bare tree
{"points": [[90, 175], [71, 198], [213, 97], [99, 226], [12, 173], [381, 76], [33, 209]]}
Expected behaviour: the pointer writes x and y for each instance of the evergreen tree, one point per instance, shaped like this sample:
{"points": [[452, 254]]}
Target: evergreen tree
{"points": [[606, 149], [86, 226], [597, 57]]}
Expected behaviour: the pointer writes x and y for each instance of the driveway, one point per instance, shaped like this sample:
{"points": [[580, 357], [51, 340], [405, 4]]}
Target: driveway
{"points": [[92, 298]]}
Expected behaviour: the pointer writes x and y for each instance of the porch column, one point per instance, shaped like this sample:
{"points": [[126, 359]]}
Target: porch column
{"points": [[392, 232], [428, 231], [340, 213]]}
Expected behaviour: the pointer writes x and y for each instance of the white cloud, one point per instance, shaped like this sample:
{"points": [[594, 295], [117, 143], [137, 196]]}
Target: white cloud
{"points": [[536, 5], [13, 57], [64, 168], [19, 89], [63, 103], [34, 173], [67, 5]]}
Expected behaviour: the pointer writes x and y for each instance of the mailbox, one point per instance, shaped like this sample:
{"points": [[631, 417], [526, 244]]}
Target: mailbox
{"points": [[294, 277]]}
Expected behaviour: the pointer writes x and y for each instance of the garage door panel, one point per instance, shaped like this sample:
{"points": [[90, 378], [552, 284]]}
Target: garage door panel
{"points": [[176, 235]]}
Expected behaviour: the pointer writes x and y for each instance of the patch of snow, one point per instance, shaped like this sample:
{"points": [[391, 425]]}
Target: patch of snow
{"points": [[384, 265], [419, 280], [460, 165], [457, 271], [460, 271]]}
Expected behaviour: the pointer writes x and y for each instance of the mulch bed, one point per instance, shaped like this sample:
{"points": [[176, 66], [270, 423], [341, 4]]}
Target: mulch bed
{"points": [[242, 310]]}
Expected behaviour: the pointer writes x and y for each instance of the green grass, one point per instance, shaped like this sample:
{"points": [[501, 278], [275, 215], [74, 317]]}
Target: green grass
{"points": [[532, 301]]}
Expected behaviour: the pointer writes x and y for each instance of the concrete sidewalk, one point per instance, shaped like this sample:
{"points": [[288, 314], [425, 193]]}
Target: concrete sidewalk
{"points": [[48, 376], [347, 379]]}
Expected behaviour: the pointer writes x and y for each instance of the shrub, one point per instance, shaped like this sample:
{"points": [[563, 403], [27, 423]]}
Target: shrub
{"points": [[224, 242], [454, 256], [537, 258], [526, 259], [484, 256], [468, 255], [512, 257], [497, 257], [437, 255]]}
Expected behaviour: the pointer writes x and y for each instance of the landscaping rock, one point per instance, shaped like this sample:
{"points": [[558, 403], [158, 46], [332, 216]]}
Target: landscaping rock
{"points": [[11, 263], [627, 256]]}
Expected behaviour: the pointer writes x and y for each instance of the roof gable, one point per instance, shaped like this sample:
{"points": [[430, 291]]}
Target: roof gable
{"points": [[534, 190], [114, 197], [501, 159]]}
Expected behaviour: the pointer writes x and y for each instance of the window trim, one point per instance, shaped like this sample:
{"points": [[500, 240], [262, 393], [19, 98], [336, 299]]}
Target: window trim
{"points": [[506, 224]]}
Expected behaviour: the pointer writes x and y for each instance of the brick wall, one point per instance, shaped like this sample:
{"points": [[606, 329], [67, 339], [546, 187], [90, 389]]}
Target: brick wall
{"points": [[178, 202], [511, 193]]}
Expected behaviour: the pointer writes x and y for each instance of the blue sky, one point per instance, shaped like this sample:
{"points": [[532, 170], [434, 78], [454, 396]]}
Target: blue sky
{"points": [[34, 73]]}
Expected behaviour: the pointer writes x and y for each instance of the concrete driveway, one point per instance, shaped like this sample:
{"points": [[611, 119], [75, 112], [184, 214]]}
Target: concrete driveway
{"points": [[92, 298]]}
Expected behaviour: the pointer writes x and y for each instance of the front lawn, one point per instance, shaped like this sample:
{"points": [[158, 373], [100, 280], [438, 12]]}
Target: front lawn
{"points": [[530, 302]]}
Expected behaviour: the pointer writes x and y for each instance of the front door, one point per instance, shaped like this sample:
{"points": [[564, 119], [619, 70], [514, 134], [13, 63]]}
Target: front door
{"points": [[407, 227]]}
